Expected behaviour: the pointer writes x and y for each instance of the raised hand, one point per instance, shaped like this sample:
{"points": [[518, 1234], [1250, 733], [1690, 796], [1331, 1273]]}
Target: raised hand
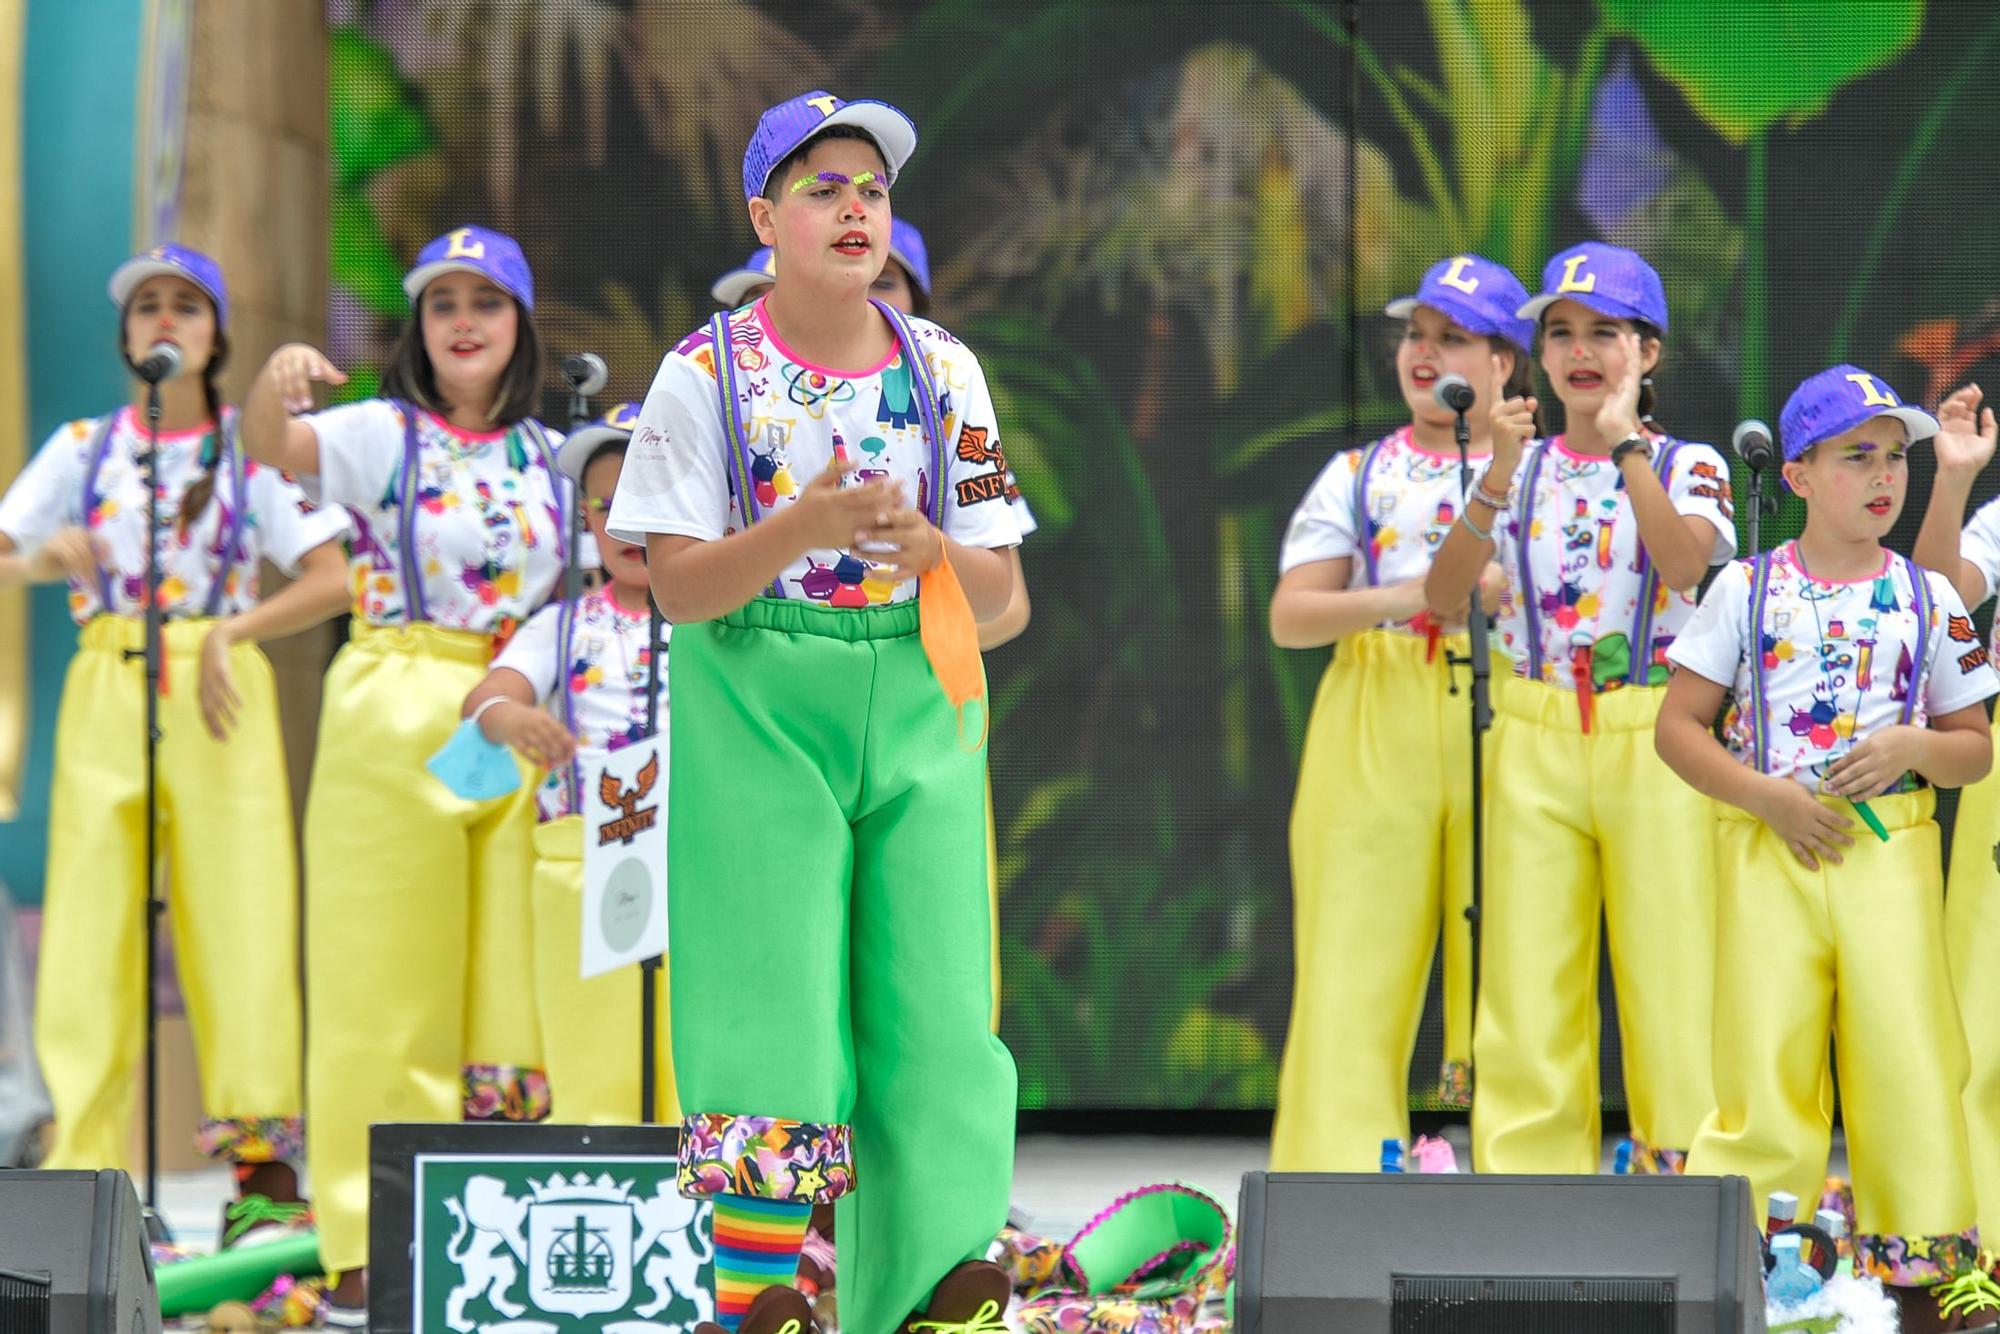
{"points": [[294, 369], [1966, 433], [1512, 420], [1618, 415]]}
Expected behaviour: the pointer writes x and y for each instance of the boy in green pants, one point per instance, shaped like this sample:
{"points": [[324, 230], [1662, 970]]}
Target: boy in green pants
{"points": [[827, 847]]}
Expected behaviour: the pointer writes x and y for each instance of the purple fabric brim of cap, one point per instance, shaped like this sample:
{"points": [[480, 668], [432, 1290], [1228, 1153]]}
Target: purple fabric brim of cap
{"points": [[574, 456], [895, 135], [1403, 307], [1919, 424], [1617, 310], [417, 279], [916, 274], [126, 279], [733, 287]]}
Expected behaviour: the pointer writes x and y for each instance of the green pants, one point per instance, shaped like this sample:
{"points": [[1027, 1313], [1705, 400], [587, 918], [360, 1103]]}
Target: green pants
{"points": [[832, 950]]}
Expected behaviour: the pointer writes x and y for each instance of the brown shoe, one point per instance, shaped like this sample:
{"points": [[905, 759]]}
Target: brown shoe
{"points": [[971, 1299], [776, 1310], [1919, 1311]]}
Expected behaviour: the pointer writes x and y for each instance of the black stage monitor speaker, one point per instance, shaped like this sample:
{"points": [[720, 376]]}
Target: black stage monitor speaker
{"points": [[73, 1246], [1443, 1254]]}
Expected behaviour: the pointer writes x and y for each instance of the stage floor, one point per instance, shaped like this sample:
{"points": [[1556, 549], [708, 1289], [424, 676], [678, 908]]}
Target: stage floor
{"points": [[1060, 1181]]}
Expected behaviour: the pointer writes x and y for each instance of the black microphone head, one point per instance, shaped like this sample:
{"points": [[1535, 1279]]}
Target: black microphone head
{"points": [[1752, 443], [586, 372], [1454, 393], [163, 362]]}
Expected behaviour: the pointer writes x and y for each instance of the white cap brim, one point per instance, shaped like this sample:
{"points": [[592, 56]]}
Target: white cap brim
{"points": [[893, 132], [126, 278], [732, 289], [1920, 424], [1402, 307], [1536, 305], [574, 455], [417, 279]]}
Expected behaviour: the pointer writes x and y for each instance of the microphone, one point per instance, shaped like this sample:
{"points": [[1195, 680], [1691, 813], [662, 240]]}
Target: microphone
{"points": [[585, 372], [1752, 443], [1454, 393], [163, 362]]}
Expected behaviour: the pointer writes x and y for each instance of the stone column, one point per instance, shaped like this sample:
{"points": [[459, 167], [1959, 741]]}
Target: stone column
{"points": [[255, 195]]}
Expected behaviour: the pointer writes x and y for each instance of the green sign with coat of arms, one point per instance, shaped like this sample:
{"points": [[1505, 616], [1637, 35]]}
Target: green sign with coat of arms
{"points": [[543, 1245]]}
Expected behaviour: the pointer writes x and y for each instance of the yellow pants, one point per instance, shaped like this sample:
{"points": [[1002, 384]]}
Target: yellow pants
{"points": [[232, 896], [418, 954], [1381, 859], [590, 1027], [1854, 953], [1972, 940], [1584, 825]]}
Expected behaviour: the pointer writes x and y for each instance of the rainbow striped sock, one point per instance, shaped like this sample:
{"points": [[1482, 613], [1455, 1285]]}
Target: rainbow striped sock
{"points": [[757, 1244]]}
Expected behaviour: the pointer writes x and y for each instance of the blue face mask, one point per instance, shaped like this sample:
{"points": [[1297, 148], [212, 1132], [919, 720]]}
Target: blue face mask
{"points": [[473, 767]]}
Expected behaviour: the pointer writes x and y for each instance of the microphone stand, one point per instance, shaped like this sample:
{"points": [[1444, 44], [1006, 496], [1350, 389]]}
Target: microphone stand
{"points": [[579, 414], [649, 968], [1760, 506], [150, 651], [1480, 659]]}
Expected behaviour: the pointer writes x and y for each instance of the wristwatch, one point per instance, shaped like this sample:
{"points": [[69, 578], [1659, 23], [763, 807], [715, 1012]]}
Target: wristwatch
{"points": [[1631, 444]]}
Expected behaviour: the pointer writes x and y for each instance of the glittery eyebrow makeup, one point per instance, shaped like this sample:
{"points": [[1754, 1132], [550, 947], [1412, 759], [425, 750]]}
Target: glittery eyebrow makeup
{"points": [[833, 178]]}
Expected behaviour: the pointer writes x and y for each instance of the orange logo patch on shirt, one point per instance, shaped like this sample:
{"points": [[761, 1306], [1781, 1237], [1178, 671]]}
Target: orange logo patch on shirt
{"points": [[972, 446], [1961, 630]]}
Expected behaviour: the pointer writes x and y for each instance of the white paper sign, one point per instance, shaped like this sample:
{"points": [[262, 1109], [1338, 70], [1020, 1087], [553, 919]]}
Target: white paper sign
{"points": [[624, 857]]}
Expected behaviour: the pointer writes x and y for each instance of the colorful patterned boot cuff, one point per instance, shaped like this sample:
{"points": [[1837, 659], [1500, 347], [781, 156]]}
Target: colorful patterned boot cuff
{"points": [[506, 1093], [766, 1157], [1455, 1084], [1916, 1262], [251, 1139], [1648, 1161]]}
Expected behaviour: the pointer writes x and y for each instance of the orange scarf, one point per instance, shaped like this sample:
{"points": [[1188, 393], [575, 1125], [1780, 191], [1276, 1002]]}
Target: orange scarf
{"points": [[950, 637]]}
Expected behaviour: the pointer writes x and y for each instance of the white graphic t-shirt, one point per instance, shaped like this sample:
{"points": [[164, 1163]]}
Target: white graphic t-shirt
{"points": [[1385, 506], [83, 477], [1834, 662], [604, 664], [682, 467], [488, 520], [1579, 600]]}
